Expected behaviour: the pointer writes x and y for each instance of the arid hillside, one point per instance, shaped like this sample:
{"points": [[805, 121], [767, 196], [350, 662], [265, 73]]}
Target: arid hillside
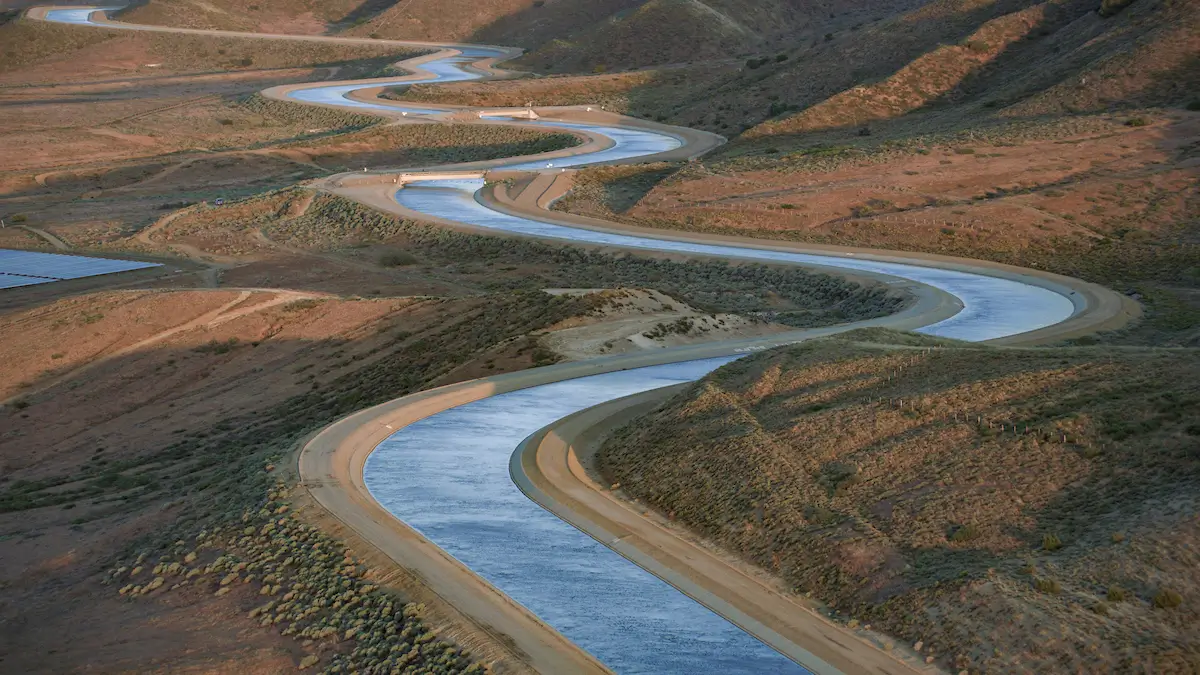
{"points": [[1044, 135], [562, 35], [151, 423], [1111, 199], [1001, 510], [956, 64], [157, 122], [144, 483]]}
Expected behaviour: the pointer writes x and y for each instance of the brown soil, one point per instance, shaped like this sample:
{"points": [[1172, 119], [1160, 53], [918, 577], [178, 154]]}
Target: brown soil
{"points": [[970, 501]]}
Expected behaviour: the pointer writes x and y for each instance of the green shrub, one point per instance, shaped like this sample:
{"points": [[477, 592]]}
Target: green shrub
{"points": [[1117, 594], [301, 305], [1051, 542], [1111, 7], [217, 346], [819, 515], [398, 259], [964, 151], [1194, 105], [1167, 599], [964, 533], [1048, 586], [1136, 122], [19, 218], [978, 46]]}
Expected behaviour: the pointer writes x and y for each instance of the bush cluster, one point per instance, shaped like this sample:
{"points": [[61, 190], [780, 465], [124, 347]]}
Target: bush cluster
{"points": [[311, 587]]}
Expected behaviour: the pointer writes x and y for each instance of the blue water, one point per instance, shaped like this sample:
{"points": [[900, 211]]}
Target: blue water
{"points": [[447, 476]]}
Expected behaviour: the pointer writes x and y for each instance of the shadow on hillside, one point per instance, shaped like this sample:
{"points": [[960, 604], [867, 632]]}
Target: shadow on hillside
{"points": [[541, 22], [1030, 80], [365, 12]]}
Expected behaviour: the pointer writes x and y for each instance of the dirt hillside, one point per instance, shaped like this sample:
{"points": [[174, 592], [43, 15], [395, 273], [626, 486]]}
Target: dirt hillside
{"points": [[145, 438], [1001, 510]]}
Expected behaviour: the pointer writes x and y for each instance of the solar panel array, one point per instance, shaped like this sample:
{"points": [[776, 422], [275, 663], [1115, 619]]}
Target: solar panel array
{"points": [[27, 268]]}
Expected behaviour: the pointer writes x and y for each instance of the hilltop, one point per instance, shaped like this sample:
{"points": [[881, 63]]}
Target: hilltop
{"points": [[1004, 510]]}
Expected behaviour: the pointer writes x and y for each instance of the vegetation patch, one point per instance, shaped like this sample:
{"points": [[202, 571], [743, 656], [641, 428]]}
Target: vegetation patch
{"points": [[782, 294], [936, 490]]}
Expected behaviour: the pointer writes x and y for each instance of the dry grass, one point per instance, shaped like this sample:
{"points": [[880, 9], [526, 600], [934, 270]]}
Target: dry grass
{"points": [[978, 501], [29, 43], [1086, 197], [173, 449], [418, 145], [611, 190], [473, 263], [652, 94]]}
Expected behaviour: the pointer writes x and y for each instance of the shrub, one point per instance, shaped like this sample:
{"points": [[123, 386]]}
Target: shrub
{"points": [[1167, 599], [828, 37], [1194, 105], [301, 305], [246, 61], [217, 346], [964, 151], [1117, 594], [1112, 7], [20, 404], [963, 533], [780, 58], [1048, 586], [819, 515], [978, 46], [1051, 542], [19, 218], [1136, 122], [398, 259]]}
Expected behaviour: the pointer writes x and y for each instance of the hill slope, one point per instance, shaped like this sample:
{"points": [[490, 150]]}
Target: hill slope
{"points": [[972, 500]]}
